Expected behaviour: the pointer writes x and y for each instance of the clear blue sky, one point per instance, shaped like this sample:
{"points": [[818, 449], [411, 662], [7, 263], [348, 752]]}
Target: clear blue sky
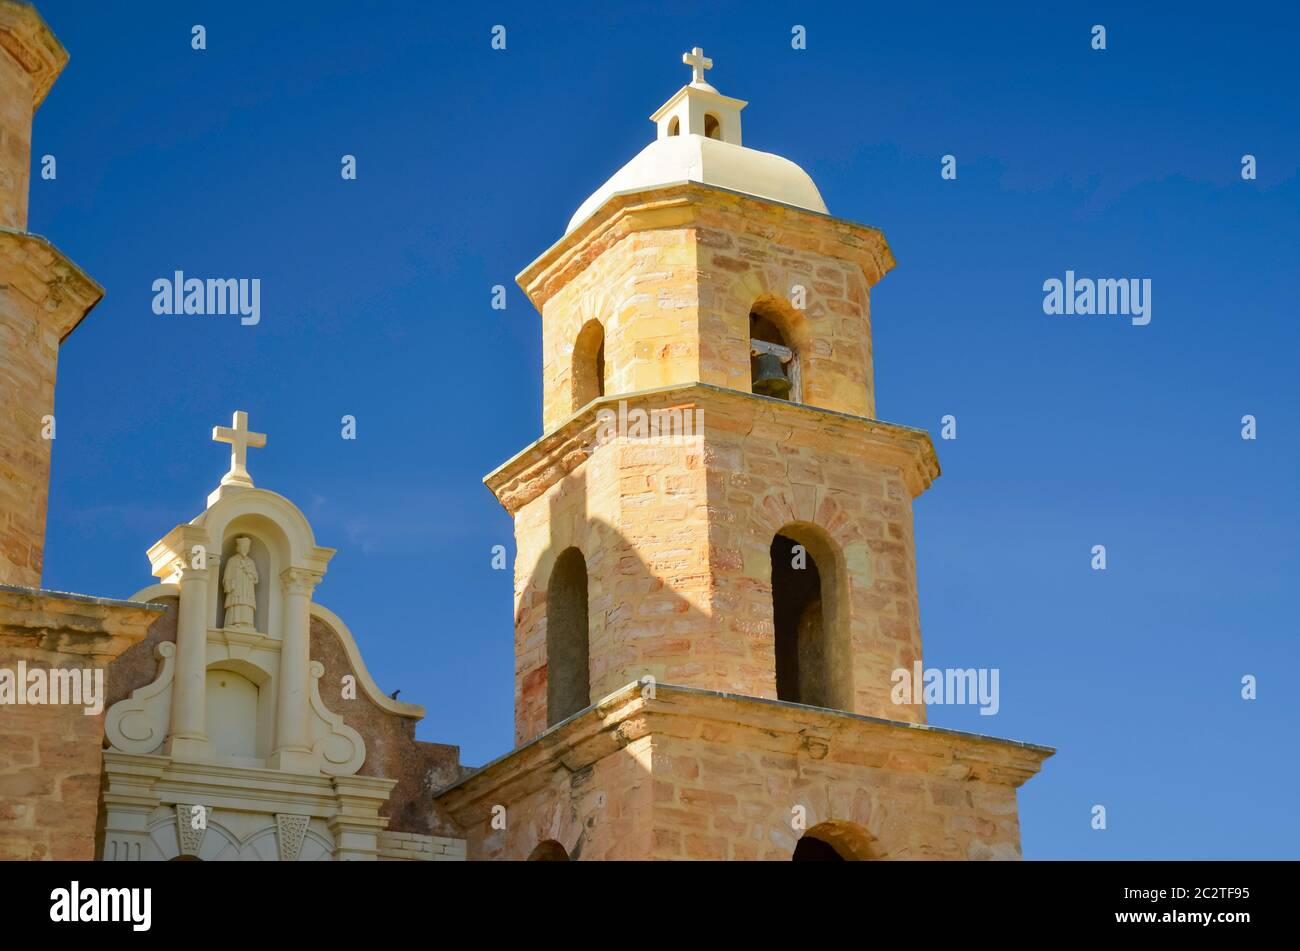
{"points": [[1071, 431]]}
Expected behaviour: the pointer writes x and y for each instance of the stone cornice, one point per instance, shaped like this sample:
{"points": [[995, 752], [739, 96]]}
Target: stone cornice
{"points": [[691, 205], [26, 37], [62, 293], [220, 786], [537, 467], [35, 619], [634, 711]]}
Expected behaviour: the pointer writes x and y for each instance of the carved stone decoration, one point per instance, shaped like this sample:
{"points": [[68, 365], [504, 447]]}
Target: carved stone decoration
{"points": [[191, 839], [138, 723], [291, 830], [240, 586], [340, 750]]}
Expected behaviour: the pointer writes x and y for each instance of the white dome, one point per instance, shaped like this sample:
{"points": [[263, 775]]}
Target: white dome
{"points": [[695, 158]]}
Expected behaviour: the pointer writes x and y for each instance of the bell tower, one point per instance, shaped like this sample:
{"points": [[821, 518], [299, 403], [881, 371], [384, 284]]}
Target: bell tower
{"points": [[715, 578], [707, 280], [43, 297]]}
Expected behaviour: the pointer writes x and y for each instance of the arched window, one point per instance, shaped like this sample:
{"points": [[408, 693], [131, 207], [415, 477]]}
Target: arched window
{"points": [[568, 688], [674, 126], [549, 851], [835, 841], [588, 364], [712, 127], [810, 615], [773, 365]]}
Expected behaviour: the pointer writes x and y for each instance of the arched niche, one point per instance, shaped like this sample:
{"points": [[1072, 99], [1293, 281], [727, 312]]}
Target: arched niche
{"points": [[810, 612], [568, 682], [280, 537], [240, 712], [588, 370], [269, 553]]}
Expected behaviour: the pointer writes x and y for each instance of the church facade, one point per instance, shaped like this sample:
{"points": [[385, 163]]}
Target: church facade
{"points": [[715, 576]]}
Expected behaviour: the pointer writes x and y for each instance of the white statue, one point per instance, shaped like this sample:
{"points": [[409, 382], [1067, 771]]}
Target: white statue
{"points": [[240, 586]]}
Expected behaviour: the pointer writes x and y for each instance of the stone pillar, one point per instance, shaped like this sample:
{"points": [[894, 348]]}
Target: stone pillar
{"points": [[129, 799], [357, 823], [43, 296], [187, 736], [292, 749]]}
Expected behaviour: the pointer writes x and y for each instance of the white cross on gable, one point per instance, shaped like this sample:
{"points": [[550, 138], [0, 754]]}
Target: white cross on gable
{"points": [[240, 438], [698, 63]]}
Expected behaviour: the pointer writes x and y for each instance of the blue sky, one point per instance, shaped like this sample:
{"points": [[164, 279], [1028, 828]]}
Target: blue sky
{"points": [[1072, 431]]}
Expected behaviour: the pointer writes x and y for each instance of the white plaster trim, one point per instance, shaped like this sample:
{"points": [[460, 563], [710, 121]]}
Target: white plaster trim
{"points": [[136, 724], [412, 711], [164, 589], [341, 751]]}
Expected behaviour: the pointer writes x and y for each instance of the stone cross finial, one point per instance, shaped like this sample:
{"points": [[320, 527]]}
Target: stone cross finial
{"points": [[240, 438], [698, 63]]}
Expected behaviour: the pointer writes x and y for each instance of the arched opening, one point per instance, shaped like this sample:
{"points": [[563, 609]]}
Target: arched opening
{"points": [[712, 127], [835, 841], [773, 365], [568, 687], [588, 364], [811, 849], [549, 851], [674, 126], [809, 614]]}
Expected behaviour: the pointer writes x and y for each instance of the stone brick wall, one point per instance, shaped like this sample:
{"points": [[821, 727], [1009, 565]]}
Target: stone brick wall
{"points": [[411, 847], [42, 298], [392, 751], [677, 538], [752, 253], [50, 755], [600, 811], [636, 512], [643, 292], [15, 141], [672, 274], [677, 534], [728, 787], [687, 774], [771, 464]]}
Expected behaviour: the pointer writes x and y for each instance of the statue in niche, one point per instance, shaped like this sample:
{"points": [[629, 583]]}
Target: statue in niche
{"points": [[240, 585]]}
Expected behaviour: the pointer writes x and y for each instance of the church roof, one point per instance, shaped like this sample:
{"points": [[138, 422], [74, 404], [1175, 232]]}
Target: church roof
{"points": [[699, 141]]}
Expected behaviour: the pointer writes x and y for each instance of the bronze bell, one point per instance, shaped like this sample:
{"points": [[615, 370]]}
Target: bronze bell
{"points": [[770, 378]]}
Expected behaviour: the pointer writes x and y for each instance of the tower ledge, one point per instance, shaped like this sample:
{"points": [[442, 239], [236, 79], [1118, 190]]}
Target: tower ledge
{"points": [[30, 41], [700, 205], [920, 791], [46, 276], [530, 472]]}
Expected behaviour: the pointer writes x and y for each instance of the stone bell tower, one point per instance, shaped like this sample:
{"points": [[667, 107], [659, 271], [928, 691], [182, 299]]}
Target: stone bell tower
{"points": [[714, 519], [699, 267], [43, 296]]}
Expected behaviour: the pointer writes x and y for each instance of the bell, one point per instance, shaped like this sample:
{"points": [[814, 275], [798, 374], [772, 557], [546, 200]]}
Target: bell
{"points": [[770, 378]]}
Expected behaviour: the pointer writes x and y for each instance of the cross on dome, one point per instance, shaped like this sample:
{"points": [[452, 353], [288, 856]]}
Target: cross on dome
{"points": [[698, 63], [240, 438]]}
